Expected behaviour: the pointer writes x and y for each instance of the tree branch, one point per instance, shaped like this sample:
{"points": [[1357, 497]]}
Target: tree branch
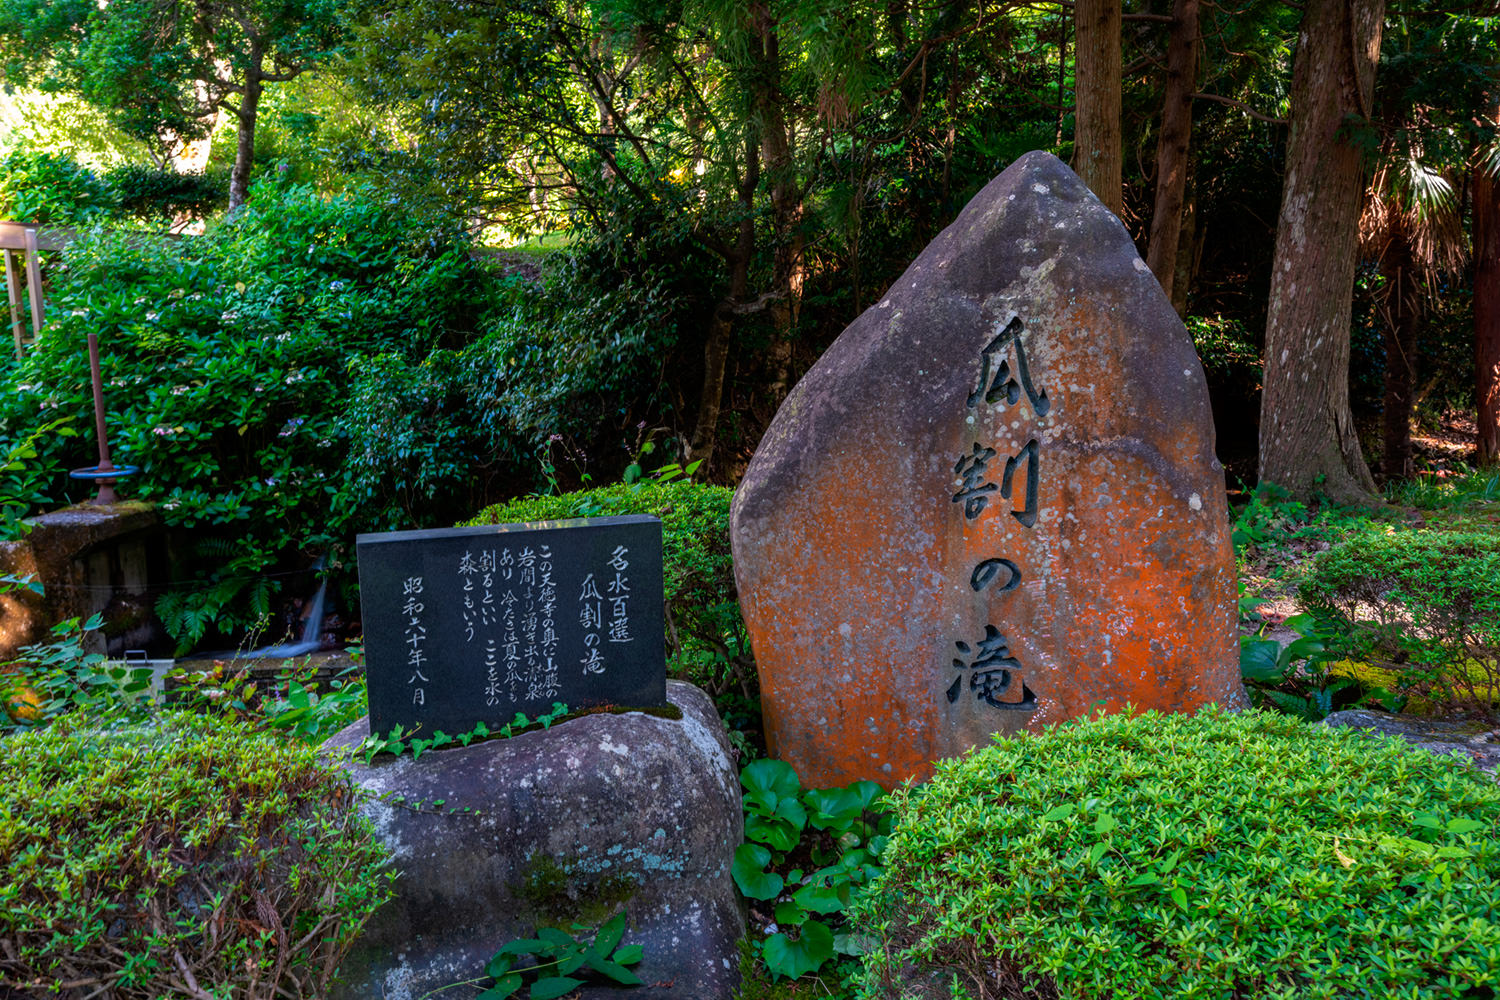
{"points": [[1243, 107]]}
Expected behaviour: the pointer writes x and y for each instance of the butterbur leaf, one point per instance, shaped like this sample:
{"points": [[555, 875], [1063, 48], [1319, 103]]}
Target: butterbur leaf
{"points": [[792, 958], [553, 987], [789, 914], [821, 898], [749, 871], [779, 833], [775, 778]]}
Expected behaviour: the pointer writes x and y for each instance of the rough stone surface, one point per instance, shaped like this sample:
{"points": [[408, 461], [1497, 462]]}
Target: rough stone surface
{"points": [[1475, 743], [90, 559], [568, 824], [864, 535]]}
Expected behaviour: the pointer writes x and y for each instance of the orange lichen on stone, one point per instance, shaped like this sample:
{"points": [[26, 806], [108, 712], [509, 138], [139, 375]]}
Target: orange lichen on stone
{"points": [[992, 505]]}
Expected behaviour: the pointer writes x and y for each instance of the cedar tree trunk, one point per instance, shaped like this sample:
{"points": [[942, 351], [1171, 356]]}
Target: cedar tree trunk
{"points": [[1096, 116], [1487, 308], [1172, 145], [1307, 439], [1402, 309]]}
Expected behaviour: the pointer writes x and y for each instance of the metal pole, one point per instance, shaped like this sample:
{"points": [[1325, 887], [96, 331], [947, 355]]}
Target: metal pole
{"points": [[106, 493]]}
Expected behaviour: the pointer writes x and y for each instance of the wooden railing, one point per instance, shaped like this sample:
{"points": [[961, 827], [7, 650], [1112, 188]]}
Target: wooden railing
{"points": [[22, 244]]}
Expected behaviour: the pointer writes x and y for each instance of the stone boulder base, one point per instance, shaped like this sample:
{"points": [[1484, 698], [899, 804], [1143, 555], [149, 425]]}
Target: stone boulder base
{"points": [[571, 824], [993, 504]]}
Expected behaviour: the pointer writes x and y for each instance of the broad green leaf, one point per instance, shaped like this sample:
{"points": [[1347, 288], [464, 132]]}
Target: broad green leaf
{"points": [[553, 987], [499, 965], [504, 987], [789, 914], [775, 777], [821, 898], [610, 934], [1058, 812], [1105, 823], [792, 958], [629, 954], [1180, 898], [1462, 826], [1260, 661], [615, 971], [749, 871]]}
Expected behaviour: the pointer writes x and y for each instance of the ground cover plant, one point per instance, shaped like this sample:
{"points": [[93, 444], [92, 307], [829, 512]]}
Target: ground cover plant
{"points": [[808, 854], [1215, 855], [193, 857], [1423, 604]]}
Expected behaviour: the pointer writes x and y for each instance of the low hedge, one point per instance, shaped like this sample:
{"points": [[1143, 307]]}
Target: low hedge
{"points": [[1209, 856], [1424, 602], [188, 858], [706, 641]]}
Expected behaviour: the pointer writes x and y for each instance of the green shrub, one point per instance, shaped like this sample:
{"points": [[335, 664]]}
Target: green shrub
{"points": [[194, 857], [226, 359], [1426, 601], [1210, 856], [706, 640], [51, 190], [155, 195]]}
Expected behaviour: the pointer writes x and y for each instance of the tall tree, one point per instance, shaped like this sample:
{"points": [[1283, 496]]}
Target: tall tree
{"points": [[1172, 145], [1487, 290], [1308, 441], [1097, 156], [164, 70]]}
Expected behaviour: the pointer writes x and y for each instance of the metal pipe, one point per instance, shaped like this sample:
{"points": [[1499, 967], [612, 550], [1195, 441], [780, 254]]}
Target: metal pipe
{"points": [[106, 493]]}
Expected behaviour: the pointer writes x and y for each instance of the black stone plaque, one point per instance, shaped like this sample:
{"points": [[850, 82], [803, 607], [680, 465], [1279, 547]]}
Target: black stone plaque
{"points": [[470, 625]]}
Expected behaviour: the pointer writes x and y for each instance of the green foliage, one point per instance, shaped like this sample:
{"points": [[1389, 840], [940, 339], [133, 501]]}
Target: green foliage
{"points": [[301, 710], [24, 481], [226, 359], [399, 741], [1296, 677], [193, 856], [1226, 348], [52, 190], [1470, 489], [160, 70], [1273, 521], [809, 852], [162, 195], [559, 956], [706, 641], [50, 679], [1179, 856], [1425, 601]]}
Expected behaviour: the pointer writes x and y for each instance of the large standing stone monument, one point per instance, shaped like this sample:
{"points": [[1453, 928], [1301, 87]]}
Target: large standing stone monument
{"points": [[993, 504]]}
